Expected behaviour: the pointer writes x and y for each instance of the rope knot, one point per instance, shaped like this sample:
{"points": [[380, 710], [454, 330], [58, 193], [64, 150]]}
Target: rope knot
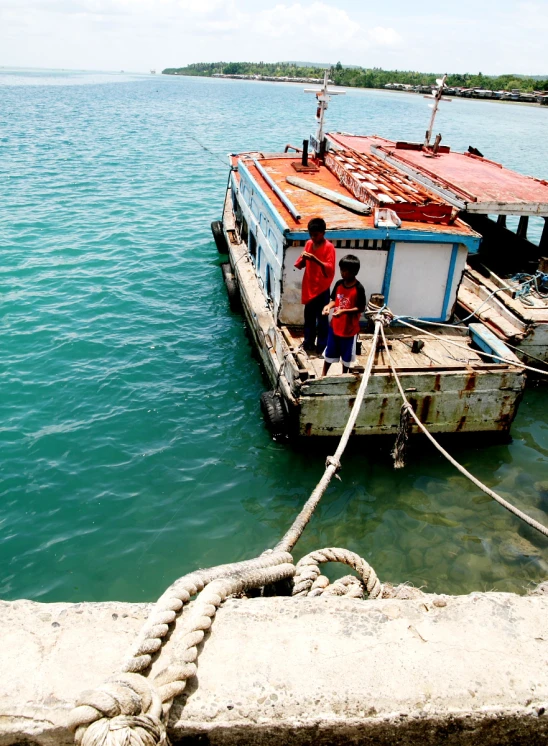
{"points": [[384, 315], [123, 730], [332, 461], [126, 703]]}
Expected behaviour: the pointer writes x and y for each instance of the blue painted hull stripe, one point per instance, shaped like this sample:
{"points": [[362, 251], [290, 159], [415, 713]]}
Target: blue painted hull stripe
{"points": [[450, 277], [406, 236], [388, 272], [282, 225]]}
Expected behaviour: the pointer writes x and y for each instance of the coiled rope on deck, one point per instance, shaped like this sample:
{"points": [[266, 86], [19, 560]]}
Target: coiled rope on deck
{"points": [[407, 406]]}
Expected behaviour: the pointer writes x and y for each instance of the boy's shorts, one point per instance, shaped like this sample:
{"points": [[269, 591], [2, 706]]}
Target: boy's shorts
{"points": [[340, 348]]}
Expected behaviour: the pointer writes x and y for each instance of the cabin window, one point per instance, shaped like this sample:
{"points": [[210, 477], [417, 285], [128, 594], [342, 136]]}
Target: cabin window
{"points": [[268, 281], [245, 230], [259, 256], [252, 244], [263, 223], [254, 208], [272, 240]]}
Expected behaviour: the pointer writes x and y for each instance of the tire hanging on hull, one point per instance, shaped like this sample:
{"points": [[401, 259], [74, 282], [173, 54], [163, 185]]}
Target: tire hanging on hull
{"points": [[274, 414], [219, 236], [231, 287]]}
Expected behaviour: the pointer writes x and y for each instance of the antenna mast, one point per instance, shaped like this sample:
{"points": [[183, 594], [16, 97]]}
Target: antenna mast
{"points": [[438, 96], [324, 97]]}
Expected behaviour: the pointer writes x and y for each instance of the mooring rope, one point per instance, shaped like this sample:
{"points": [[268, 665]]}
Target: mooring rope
{"points": [[308, 572], [333, 463], [524, 517], [132, 710], [516, 363]]}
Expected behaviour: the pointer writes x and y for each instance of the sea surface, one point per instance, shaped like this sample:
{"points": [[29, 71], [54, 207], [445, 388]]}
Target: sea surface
{"points": [[132, 447]]}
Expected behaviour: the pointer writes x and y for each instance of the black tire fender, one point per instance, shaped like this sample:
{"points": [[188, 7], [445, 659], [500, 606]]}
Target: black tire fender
{"points": [[274, 413], [219, 236], [231, 286]]}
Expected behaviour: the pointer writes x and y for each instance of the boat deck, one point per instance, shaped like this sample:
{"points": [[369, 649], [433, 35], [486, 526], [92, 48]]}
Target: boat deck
{"points": [[279, 168], [436, 355]]}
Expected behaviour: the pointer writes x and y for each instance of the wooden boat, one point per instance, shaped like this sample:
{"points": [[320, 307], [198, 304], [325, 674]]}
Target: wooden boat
{"points": [[414, 255], [501, 285]]}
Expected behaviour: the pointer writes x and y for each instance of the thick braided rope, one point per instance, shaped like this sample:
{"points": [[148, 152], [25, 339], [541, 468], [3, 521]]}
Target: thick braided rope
{"points": [[349, 586], [130, 710], [178, 594], [308, 570], [333, 463], [171, 681]]}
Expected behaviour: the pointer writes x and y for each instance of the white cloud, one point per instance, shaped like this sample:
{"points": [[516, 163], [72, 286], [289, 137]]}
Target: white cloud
{"points": [[321, 23], [384, 37]]}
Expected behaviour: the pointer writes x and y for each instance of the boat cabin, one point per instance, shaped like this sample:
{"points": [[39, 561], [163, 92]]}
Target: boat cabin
{"points": [[413, 254], [413, 250]]}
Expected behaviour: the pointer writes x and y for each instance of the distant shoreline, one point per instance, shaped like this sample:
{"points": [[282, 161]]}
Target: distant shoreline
{"points": [[317, 81]]}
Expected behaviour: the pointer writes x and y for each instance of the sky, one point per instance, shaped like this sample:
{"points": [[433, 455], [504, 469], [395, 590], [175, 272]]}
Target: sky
{"points": [[139, 35]]}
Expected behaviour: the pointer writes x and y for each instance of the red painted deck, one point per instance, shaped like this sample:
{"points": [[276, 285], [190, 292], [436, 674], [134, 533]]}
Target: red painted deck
{"points": [[484, 186], [310, 205]]}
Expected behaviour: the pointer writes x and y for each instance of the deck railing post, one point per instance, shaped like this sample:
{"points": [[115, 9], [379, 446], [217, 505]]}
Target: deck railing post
{"points": [[543, 245], [522, 227]]}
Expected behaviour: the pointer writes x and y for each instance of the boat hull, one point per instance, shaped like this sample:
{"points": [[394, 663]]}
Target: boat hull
{"points": [[524, 328]]}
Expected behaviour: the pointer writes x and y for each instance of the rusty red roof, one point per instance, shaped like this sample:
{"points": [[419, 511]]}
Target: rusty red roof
{"points": [[380, 185], [309, 205], [469, 182]]}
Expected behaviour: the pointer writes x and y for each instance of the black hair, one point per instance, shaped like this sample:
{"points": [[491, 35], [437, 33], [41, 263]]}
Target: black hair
{"points": [[317, 224], [350, 263]]}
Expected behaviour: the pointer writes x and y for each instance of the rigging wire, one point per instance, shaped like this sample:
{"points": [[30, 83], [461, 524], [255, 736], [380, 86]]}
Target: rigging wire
{"points": [[524, 517], [208, 150]]}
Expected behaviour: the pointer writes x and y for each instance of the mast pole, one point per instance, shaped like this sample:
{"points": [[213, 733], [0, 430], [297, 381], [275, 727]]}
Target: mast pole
{"points": [[435, 105], [323, 100]]}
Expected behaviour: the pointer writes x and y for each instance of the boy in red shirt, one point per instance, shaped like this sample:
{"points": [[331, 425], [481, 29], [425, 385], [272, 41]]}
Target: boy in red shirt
{"points": [[318, 262], [348, 302]]}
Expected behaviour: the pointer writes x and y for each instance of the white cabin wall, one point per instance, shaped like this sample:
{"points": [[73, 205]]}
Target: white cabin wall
{"points": [[371, 276], [419, 279]]}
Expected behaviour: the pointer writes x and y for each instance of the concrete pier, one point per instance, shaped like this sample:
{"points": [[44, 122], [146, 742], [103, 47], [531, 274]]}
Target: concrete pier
{"points": [[439, 669]]}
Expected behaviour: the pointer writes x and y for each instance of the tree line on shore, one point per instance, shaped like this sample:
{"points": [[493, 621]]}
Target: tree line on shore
{"points": [[359, 77]]}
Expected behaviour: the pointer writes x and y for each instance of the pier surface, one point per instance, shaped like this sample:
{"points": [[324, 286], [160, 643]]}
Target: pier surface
{"points": [[440, 669]]}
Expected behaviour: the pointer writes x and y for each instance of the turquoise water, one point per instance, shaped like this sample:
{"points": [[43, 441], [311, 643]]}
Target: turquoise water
{"points": [[132, 446]]}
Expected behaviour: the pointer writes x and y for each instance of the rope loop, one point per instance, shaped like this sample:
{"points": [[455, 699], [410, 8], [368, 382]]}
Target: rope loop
{"points": [[307, 575]]}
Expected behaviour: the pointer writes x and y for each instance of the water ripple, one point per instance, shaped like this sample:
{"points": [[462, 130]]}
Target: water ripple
{"points": [[132, 444]]}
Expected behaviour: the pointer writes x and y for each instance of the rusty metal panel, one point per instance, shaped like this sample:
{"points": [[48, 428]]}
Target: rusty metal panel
{"points": [[482, 185], [483, 401], [311, 205], [380, 185]]}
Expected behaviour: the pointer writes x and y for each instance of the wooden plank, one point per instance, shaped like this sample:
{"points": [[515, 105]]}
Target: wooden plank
{"points": [[330, 195]]}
